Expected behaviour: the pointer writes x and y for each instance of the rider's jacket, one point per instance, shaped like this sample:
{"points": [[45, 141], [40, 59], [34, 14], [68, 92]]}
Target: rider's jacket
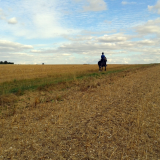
{"points": [[102, 56]]}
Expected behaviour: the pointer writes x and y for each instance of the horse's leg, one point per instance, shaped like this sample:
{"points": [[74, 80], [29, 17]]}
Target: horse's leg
{"points": [[100, 67], [105, 68]]}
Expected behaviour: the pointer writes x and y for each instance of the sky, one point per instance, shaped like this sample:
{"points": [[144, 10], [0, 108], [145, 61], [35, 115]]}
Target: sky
{"points": [[78, 31]]}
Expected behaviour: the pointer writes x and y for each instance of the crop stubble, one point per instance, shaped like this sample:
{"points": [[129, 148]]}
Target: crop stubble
{"points": [[116, 117], [19, 72]]}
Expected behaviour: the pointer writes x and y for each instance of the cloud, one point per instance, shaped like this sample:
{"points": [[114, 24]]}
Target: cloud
{"points": [[79, 38], [146, 42], [36, 51], [113, 38], [40, 19], [47, 26], [8, 46], [108, 22], [88, 32], [65, 54], [93, 5], [20, 58], [90, 47], [114, 44], [133, 59], [156, 8], [149, 49], [125, 2], [12, 20], [2, 15], [151, 27]]}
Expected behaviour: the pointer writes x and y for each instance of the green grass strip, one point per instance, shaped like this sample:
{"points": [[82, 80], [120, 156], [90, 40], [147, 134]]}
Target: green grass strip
{"points": [[19, 86]]}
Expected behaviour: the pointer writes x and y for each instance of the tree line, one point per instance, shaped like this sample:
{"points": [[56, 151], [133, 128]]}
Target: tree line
{"points": [[5, 62]]}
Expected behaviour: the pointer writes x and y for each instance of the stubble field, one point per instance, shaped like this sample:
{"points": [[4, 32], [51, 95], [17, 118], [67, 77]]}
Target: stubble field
{"points": [[107, 115], [20, 72]]}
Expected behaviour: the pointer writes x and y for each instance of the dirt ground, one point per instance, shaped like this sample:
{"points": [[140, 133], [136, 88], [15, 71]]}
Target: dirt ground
{"points": [[116, 117]]}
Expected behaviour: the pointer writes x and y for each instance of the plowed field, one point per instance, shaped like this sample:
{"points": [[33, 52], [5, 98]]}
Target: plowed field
{"points": [[114, 117]]}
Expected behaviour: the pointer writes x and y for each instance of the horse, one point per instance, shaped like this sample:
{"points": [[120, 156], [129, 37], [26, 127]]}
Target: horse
{"points": [[102, 63]]}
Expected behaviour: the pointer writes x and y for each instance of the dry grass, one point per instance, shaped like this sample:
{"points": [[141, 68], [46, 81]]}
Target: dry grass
{"points": [[112, 117], [19, 72], [12, 81]]}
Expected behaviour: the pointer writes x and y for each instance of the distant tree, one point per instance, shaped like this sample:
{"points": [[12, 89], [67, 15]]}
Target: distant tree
{"points": [[10, 63], [5, 62]]}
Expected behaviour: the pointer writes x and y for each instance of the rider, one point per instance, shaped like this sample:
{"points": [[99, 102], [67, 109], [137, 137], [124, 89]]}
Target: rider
{"points": [[103, 58]]}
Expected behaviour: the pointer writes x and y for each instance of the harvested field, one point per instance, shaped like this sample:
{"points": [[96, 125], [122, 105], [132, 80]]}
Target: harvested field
{"points": [[17, 79], [19, 72], [111, 117]]}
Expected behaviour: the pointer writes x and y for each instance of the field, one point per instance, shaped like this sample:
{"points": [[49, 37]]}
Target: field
{"points": [[75, 112], [19, 72], [19, 78]]}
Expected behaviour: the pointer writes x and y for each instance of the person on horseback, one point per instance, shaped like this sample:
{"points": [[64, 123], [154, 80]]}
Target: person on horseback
{"points": [[102, 62]]}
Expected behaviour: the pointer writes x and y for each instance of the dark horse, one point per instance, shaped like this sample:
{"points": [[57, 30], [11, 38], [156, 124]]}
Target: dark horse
{"points": [[102, 63]]}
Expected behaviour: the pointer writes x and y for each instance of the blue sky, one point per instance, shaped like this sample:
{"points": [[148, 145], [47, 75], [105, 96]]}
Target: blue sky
{"points": [[78, 31]]}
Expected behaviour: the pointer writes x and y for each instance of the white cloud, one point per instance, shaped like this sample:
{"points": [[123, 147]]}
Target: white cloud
{"points": [[36, 51], [87, 32], [151, 27], [111, 45], [42, 20], [12, 20], [8, 46], [95, 5], [146, 42], [65, 54], [20, 58], [108, 22], [125, 2], [155, 8], [47, 26], [113, 52], [2, 15], [113, 38], [78, 38]]}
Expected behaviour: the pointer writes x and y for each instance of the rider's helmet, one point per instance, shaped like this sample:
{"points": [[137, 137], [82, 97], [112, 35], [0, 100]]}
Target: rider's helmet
{"points": [[102, 52]]}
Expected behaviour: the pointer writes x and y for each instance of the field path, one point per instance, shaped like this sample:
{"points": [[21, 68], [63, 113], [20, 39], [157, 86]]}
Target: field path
{"points": [[113, 117]]}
